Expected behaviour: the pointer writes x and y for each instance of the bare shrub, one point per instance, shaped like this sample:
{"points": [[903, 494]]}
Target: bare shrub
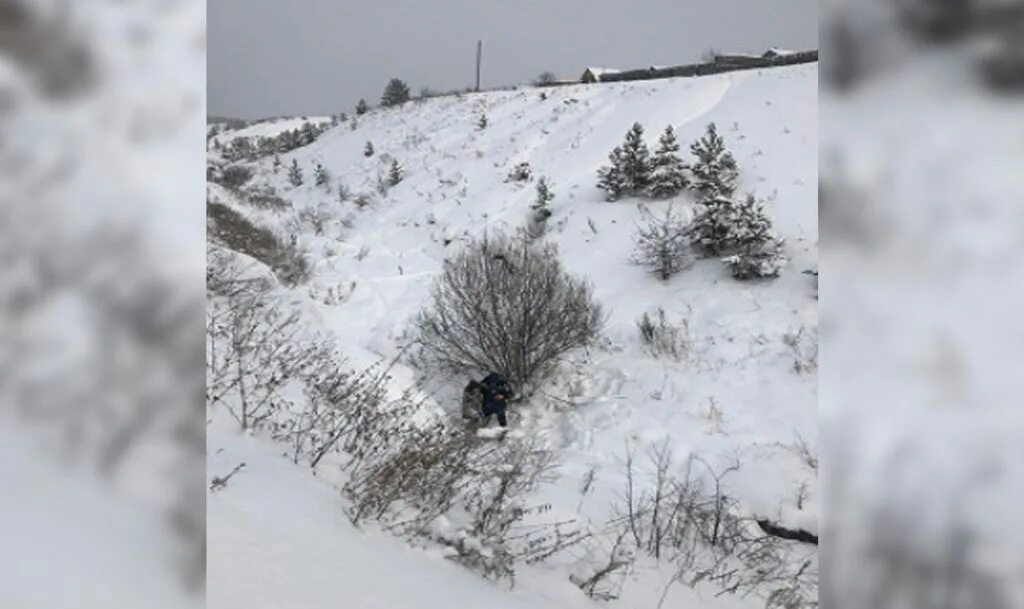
{"points": [[315, 219], [546, 78], [689, 521], [503, 305], [806, 453], [252, 352], [438, 470], [235, 176], [663, 244], [344, 194], [363, 200], [598, 584], [661, 338], [803, 345], [264, 196], [342, 409], [520, 173], [238, 233]]}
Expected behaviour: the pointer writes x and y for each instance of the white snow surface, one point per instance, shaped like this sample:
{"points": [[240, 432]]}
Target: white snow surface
{"points": [[271, 127], [278, 533]]}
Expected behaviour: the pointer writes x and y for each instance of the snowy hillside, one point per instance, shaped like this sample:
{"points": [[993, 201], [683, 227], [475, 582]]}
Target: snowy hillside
{"points": [[743, 393], [270, 127]]}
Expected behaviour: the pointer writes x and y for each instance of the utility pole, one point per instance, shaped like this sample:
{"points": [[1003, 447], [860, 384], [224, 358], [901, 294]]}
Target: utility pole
{"points": [[479, 52]]}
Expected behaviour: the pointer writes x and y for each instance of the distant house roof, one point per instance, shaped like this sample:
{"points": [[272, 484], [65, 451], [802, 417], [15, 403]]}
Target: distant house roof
{"points": [[595, 74], [776, 52], [737, 56]]}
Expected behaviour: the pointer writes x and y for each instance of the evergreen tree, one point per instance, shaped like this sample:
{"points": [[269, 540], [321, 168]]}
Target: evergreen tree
{"points": [[711, 229], [765, 262], [368, 149], [395, 93], [668, 173], [610, 178], [362, 107], [544, 194], [481, 123], [295, 174], [724, 227], [636, 160], [307, 135], [751, 228], [395, 174], [537, 224], [320, 175], [715, 171]]}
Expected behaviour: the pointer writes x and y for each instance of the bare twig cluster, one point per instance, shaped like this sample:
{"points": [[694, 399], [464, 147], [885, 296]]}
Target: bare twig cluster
{"points": [[663, 338], [689, 521], [505, 305]]}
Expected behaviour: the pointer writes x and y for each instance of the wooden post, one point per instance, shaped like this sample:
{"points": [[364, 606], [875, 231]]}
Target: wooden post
{"points": [[479, 52]]}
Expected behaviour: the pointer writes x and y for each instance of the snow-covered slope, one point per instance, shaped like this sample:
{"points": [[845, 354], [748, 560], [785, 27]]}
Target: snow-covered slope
{"points": [[271, 127], [735, 397]]}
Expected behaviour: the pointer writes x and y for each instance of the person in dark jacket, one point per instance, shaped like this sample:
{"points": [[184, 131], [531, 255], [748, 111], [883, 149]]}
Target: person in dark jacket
{"points": [[496, 394]]}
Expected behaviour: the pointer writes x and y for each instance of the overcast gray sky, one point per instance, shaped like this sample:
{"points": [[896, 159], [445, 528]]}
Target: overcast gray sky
{"points": [[273, 57]]}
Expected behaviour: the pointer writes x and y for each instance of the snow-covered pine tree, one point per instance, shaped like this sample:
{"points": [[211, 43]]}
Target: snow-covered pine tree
{"points": [[368, 149], [765, 262], [636, 160], [395, 173], [662, 245], [544, 194], [610, 178], [711, 232], [395, 93], [307, 135], [715, 172], [668, 174], [362, 107], [320, 175], [758, 252], [295, 173], [537, 224], [751, 227]]}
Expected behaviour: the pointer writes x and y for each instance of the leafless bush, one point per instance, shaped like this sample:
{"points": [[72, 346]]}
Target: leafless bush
{"points": [[439, 470], [363, 200], [344, 194], [689, 521], [546, 78], [803, 344], [264, 196], [341, 412], [252, 352], [236, 232], [663, 244], [520, 173], [598, 584], [506, 306], [315, 219], [235, 176], [662, 338], [806, 452]]}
